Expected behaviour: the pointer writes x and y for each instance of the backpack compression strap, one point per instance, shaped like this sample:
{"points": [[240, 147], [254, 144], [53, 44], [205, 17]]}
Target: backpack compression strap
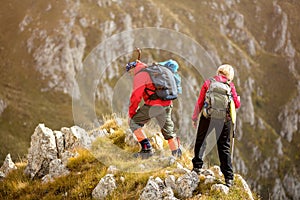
{"points": [[151, 96]]}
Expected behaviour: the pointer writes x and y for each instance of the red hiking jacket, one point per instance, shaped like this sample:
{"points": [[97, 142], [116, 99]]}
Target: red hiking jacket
{"points": [[141, 81], [201, 98]]}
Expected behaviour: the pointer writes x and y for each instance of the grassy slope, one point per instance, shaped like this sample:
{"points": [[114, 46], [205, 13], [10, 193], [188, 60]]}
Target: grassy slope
{"points": [[86, 172]]}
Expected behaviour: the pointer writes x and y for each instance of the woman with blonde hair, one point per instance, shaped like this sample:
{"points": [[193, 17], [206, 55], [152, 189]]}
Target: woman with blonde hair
{"points": [[208, 123]]}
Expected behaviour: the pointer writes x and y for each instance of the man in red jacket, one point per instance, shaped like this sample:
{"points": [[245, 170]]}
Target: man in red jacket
{"points": [[157, 108], [225, 74]]}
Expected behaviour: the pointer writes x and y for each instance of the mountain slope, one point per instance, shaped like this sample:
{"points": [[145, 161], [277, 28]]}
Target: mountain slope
{"points": [[44, 44]]}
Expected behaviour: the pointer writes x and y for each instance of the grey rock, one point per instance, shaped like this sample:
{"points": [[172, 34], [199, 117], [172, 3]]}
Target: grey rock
{"points": [[209, 179], [98, 133], [279, 146], [239, 163], [220, 188], [292, 185], [82, 135], [56, 169], [168, 194], [42, 151], [280, 32], [83, 22], [7, 166], [245, 186], [160, 183], [151, 191], [170, 181], [105, 186], [25, 22], [248, 108], [60, 142], [66, 155], [207, 172], [179, 168], [217, 171], [278, 190], [157, 189], [112, 169], [71, 140], [50, 150], [186, 184], [289, 116], [3, 106], [2, 175]]}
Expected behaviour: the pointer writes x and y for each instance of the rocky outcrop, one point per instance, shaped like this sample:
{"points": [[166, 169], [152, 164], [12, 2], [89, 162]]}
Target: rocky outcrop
{"points": [[248, 108], [42, 151], [50, 150], [292, 185], [58, 57], [62, 60], [289, 117], [280, 32]]}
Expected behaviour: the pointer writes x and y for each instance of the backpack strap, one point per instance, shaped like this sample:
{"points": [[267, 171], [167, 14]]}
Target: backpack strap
{"points": [[152, 96]]}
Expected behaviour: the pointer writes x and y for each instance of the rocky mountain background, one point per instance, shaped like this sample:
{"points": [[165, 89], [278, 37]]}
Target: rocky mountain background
{"points": [[43, 46]]}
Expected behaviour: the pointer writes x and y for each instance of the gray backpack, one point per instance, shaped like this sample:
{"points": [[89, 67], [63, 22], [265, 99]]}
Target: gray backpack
{"points": [[217, 99], [164, 82]]}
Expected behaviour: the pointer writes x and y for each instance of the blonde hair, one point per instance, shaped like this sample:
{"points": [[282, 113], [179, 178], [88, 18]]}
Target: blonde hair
{"points": [[226, 70]]}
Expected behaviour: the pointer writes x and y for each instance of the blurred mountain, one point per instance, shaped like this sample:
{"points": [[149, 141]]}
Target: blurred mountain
{"points": [[44, 45]]}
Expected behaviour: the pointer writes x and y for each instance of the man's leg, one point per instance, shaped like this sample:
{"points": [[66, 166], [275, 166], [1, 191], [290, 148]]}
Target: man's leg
{"points": [[166, 124], [136, 124]]}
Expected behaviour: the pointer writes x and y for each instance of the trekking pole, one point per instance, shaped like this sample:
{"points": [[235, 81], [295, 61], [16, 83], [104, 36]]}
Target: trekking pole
{"points": [[233, 118], [139, 52], [232, 148]]}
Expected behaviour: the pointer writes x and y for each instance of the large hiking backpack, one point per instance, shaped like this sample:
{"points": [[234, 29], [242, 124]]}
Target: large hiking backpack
{"points": [[164, 82], [217, 99]]}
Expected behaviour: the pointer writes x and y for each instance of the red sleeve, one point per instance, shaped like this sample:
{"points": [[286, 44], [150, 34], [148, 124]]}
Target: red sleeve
{"points": [[200, 101], [236, 100], [137, 93]]}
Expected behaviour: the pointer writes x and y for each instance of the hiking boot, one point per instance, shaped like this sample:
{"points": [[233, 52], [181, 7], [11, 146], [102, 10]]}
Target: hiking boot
{"points": [[177, 153], [228, 182], [144, 154]]}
